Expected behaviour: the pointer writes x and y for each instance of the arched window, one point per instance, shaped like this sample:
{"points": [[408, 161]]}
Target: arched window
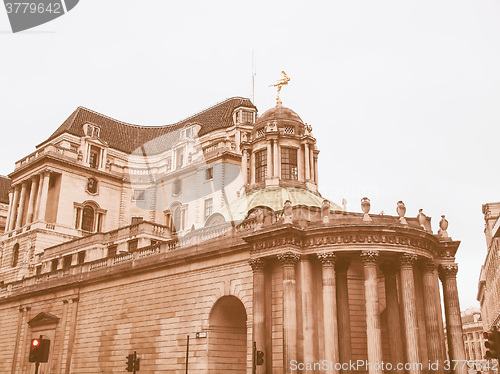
{"points": [[15, 254], [177, 219], [88, 218]]}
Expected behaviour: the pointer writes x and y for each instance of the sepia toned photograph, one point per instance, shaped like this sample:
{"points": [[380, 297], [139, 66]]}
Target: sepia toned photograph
{"points": [[218, 187]]}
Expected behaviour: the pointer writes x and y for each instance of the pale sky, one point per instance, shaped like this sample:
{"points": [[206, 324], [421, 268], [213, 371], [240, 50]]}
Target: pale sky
{"points": [[403, 96]]}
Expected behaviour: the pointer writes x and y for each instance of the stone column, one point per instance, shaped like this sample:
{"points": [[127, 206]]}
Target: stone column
{"points": [[72, 333], [410, 312], [373, 329], [275, 158], [22, 200], [31, 204], [244, 166], [269, 159], [329, 309], [390, 270], [343, 313], [300, 164], [252, 168], [316, 170], [311, 162], [259, 332], [432, 316], [13, 212], [9, 210], [448, 276], [307, 310], [64, 323], [39, 196], [44, 196], [307, 166], [288, 261]]}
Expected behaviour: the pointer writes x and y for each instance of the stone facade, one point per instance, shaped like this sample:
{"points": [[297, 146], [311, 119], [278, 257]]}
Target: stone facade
{"points": [[489, 280], [122, 238]]}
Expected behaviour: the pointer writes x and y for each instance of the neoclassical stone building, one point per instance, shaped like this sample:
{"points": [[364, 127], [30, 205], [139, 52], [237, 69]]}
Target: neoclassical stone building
{"points": [[489, 280], [123, 238]]}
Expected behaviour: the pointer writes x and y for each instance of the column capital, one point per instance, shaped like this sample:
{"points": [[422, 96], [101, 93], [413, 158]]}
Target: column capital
{"points": [[369, 257], [288, 259], [257, 264], [327, 258], [389, 268], [448, 271], [428, 265], [407, 260], [342, 265]]}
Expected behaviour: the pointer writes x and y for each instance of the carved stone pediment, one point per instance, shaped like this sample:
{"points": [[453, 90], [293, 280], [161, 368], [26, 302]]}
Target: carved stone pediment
{"points": [[43, 319]]}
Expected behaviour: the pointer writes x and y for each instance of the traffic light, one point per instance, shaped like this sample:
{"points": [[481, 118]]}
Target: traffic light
{"points": [[39, 350], [130, 363], [260, 358], [492, 344], [136, 364]]}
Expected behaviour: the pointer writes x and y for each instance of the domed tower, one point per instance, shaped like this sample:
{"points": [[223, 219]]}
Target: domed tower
{"points": [[280, 151]]}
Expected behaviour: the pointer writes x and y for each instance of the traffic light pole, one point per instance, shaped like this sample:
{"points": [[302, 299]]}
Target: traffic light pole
{"points": [[254, 358], [37, 365]]}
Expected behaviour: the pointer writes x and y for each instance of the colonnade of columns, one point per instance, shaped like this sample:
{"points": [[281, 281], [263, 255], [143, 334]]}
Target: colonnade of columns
{"points": [[24, 208], [403, 330], [307, 163]]}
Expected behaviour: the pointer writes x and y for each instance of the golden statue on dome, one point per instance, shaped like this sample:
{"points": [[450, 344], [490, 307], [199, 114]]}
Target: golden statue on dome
{"points": [[282, 82]]}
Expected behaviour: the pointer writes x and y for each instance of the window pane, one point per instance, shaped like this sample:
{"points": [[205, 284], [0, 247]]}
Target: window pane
{"points": [[260, 165], [289, 164], [88, 219]]}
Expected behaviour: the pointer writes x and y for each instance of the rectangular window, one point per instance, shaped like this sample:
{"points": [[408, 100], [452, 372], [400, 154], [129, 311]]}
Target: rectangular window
{"points": [[180, 158], [289, 164], [94, 156], [247, 117], [38, 270], [209, 173], [132, 245], [137, 220], [81, 257], [53, 265], [260, 165], [67, 261], [209, 205], [139, 195], [112, 251], [168, 164]]}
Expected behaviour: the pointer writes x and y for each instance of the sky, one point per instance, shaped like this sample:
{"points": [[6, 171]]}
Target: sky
{"points": [[403, 97]]}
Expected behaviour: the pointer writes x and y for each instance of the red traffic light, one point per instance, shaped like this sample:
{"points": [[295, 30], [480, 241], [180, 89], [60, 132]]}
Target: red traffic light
{"points": [[486, 335], [35, 343]]}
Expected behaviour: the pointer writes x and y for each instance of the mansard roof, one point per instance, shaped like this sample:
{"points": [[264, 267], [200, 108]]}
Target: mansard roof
{"points": [[129, 138], [4, 189]]}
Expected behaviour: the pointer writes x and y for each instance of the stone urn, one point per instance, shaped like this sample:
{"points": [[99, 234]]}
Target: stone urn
{"points": [[365, 207], [401, 210], [287, 211], [443, 226]]}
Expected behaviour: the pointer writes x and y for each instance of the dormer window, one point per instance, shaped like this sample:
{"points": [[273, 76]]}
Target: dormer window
{"points": [[92, 131], [246, 117], [94, 156], [188, 133]]}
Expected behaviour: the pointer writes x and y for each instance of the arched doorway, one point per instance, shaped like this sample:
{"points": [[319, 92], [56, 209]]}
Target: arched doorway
{"points": [[227, 337]]}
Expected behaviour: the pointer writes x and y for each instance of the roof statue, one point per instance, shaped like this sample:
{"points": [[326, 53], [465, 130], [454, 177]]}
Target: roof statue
{"points": [[282, 82]]}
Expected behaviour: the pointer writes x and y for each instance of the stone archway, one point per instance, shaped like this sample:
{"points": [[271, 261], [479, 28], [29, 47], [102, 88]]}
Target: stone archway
{"points": [[227, 337]]}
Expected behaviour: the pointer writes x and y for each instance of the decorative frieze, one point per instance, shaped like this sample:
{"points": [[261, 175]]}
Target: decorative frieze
{"points": [[369, 238]]}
